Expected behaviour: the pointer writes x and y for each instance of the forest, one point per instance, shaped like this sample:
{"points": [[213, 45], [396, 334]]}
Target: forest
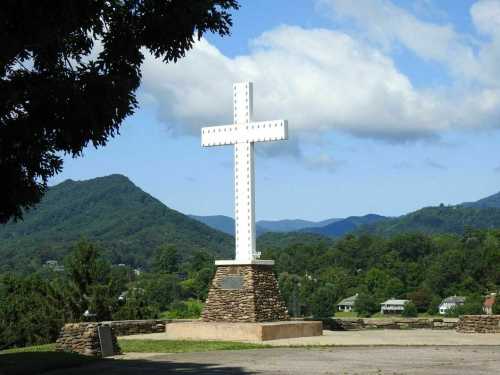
{"points": [[314, 274]]}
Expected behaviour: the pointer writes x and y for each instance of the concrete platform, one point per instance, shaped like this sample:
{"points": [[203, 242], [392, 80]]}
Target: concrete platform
{"points": [[242, 331]]}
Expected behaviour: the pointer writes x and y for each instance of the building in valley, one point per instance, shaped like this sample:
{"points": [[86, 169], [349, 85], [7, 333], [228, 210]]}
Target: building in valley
{"points": [[450, 303], [347, 304], [488, 304], [393, 306]]}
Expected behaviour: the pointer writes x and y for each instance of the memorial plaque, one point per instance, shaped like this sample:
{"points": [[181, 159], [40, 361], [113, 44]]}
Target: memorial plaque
{"points": [[106, 341], [232, 282]]}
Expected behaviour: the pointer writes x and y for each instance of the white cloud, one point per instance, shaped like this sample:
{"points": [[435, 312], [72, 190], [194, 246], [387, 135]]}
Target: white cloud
{"points": [[323, 80], [319, 79], [486, 16], [386, 24]]}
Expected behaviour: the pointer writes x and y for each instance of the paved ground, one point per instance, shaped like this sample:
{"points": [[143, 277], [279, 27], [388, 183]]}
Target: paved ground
{"points": [[374, 337], [471, 360]]}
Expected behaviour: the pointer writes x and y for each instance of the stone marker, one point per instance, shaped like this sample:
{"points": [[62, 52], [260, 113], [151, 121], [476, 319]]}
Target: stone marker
{"points": [[105, 340]]}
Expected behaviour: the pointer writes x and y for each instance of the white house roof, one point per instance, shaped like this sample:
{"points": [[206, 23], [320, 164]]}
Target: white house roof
{"points": [[348, 301], [401, 302], [454, 299]]}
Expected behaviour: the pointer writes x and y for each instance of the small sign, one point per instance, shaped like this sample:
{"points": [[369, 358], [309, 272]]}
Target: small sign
{"points": [[106, 341], [232, 282]]}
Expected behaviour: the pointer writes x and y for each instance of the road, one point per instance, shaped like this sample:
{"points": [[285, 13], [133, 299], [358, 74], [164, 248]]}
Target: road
{"points": [[438, 360]]}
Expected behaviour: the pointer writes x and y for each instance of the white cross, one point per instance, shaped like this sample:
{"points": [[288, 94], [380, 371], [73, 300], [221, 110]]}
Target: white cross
{"points": [[243, 134]]}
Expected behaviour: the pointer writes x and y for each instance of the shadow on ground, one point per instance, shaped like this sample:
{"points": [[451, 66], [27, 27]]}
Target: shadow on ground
{"points": [[50, 363]]}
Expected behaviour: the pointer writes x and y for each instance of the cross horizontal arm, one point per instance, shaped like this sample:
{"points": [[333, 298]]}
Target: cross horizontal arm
{"points": [[262, 131], [219, 135]]}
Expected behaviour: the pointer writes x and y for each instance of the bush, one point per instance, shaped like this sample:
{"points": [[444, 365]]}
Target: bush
{"points": [[434, 306], [190, 309], [29, 312], [366, 305], [136, 307], [410, 310], [473, 306], [323, 303]]}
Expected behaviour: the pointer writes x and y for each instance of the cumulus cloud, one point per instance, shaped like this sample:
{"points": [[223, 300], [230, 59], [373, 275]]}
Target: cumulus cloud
{"points": [[323, 80], [318, 79], [387, 24], [486, 16]]}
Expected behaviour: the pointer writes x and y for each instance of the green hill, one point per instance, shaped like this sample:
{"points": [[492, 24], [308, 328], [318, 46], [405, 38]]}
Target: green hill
{"points": [[442, 219], [126, 222], [278, 240], [493, 201], [344, 226]]}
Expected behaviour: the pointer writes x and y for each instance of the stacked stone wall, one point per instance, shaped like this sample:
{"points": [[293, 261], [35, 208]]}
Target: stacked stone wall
{"points": [[356, 324], [257, 299], [479, 324], [136, 327], [82, 338]]}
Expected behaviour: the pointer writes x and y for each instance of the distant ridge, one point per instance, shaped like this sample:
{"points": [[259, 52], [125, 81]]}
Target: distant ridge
{"points": [[441, 219], [493, 201], [344, 226], [226, 224], [292, 225], [111, 211]]}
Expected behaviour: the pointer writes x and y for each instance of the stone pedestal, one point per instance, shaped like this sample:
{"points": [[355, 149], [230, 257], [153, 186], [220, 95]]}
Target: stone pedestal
{"points": [[244, 293]]}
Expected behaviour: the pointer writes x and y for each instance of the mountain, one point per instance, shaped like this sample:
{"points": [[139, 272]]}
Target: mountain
{"points": [[223, 223], [220, 222], [281, 240], [493, 201], [291, 225], [111, 211], [344, 226], [226, 224], [442, 219]]}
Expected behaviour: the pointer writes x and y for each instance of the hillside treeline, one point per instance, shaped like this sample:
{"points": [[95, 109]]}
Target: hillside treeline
{"points": [[422, 268], [313, 274]]}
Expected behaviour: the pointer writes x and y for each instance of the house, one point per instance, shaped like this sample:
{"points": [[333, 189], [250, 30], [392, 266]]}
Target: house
{"points": [[54, 266], [489, 301], [449, 303], [347, 304], [393, 306]]}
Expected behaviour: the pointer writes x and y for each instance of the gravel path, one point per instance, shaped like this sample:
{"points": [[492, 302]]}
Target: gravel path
{"points": [[313, 361]]}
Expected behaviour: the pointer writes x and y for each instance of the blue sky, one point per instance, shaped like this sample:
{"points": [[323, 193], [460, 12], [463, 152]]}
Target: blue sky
{"points": [[392, 106]]}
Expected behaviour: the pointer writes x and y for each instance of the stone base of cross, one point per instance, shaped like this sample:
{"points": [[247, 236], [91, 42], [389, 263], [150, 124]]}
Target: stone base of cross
{"points": [[243, 134]]}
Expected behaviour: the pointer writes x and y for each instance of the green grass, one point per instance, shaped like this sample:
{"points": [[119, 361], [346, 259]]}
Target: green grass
{"points": [[178, 346], [31, 349], [345, 314], [42, 358]]}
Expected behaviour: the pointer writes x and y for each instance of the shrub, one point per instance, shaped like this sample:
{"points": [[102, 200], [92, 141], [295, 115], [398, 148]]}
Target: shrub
{"points": [[323, 303], [366, 305], [410, 310], [473, 306], [189, 309], [434, 305]]}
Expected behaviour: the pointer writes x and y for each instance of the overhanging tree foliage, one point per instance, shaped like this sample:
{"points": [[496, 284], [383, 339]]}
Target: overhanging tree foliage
{"points": [[55, 97]]}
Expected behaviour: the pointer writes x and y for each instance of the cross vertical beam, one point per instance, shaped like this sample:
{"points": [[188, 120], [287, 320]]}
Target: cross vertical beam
{"points": [[244, 176], [243, 133]]}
